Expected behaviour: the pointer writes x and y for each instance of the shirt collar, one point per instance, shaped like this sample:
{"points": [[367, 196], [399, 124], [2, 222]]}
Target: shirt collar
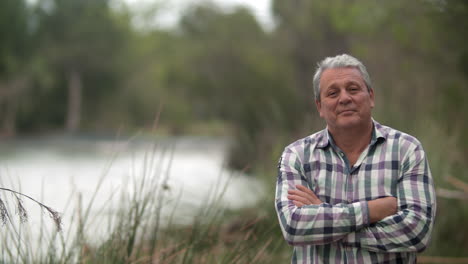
{"points": [[379, 133]]}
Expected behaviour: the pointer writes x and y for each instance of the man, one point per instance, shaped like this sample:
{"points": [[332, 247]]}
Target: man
{"points": [[357, 191]]}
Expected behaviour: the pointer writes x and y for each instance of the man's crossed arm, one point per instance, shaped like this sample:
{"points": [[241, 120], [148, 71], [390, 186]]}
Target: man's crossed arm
{"points": [[378, 208]]}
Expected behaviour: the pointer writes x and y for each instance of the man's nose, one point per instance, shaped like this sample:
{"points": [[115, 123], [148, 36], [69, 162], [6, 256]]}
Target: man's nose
{"points": [[344, 98]]}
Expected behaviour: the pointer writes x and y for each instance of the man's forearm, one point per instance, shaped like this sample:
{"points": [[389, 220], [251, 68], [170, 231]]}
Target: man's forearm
{"points": [[381, 208]]}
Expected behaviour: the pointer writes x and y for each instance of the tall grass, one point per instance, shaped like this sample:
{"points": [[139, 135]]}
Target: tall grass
{"points": [[144, 225]]}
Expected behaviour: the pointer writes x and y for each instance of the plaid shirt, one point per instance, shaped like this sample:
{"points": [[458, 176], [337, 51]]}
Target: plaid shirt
{"points": [[338, 230]]}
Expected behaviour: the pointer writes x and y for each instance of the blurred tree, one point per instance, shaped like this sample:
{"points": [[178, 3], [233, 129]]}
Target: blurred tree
{"points": [[158, 62], [84, 43], [307, 33], [15, 51], [454, 29], [235, 75]]}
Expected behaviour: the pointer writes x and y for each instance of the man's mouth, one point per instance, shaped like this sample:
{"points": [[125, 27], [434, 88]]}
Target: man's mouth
{"points": [[347, 112]]}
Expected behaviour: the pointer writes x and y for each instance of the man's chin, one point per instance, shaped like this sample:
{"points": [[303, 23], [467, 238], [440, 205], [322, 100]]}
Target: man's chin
{"points": [[348, 123]]}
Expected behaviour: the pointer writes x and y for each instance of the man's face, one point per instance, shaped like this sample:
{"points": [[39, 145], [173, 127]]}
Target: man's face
{"points": [[345, 101]]}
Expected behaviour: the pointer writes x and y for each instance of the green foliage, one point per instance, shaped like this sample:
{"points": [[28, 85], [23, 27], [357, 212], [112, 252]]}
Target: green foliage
{"points": [[236, 76], [82, 37], [14, 35]]}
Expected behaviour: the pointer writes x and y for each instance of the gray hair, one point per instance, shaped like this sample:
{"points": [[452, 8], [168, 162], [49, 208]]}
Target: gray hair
{"points": [[339, 61]]}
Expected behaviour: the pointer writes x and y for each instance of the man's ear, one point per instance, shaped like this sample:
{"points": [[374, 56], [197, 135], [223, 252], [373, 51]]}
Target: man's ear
{"points": [[318, 104], [372, 98]]}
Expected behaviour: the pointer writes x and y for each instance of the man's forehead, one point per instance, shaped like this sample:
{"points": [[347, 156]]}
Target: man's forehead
{"points": [[337, 75]]}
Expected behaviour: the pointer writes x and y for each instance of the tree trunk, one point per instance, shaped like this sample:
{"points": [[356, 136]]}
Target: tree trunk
{"points": [[9, 119], [10, 94], [72, 123]]}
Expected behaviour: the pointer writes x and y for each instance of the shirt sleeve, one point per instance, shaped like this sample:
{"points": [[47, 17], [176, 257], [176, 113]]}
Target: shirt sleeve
{"points": [[409, 230], [312, 224]]}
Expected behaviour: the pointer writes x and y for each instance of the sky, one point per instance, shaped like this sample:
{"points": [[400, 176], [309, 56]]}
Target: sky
{"points": [[171, 9]]}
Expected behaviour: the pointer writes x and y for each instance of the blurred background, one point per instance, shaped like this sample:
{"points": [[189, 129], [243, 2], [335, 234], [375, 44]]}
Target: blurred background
{"points": [[221, 87]]}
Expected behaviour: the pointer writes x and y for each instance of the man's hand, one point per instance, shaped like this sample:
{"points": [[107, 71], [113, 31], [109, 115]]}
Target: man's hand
{"points": [[381, 208], [303, 196]]}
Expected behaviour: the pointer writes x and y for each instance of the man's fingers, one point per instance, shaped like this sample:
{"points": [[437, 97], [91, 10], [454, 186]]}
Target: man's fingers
{"points": [[303, 195], [306, 190], [299, 198], [308, 198], [298, 204]]}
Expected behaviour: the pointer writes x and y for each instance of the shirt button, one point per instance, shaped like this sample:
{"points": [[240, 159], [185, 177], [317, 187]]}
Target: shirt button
{"points": [[342, 154]]}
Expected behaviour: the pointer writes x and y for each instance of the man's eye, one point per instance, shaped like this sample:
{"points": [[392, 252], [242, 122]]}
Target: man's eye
{"points": [[332, 93]]}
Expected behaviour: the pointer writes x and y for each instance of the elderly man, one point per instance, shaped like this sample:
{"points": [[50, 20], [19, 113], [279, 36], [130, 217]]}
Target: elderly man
{"points": [[357, 191]]}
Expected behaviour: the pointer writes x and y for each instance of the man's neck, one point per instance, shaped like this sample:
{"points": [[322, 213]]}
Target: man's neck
{"points": [[353, 140]]}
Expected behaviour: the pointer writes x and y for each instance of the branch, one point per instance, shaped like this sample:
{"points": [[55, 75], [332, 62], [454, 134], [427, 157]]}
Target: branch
{"points": [[445, 193], [459, 184], [430, 259]]}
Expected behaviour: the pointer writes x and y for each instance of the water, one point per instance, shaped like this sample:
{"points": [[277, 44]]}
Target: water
{"points": [[59, 170]]}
